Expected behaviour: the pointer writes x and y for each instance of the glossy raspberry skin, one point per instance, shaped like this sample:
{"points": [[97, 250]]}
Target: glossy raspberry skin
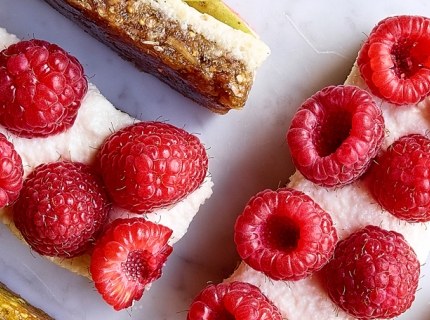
{"points": [[401, 178], [11, 172], [151, 165], [230, 301], [61, 209], [373, 275], [394, 59], [129, 256], [41, 88], [285, 234], [335, 134]]}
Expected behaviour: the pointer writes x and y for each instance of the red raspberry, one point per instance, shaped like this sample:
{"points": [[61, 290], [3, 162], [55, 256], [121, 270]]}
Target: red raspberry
{"points": [[284, 234], [151, 165], [127, 258], [234, 300], [41, 88], [11, 172], [394, 59], [61, 209], [373, 275], [401, 178], [335, 134]]}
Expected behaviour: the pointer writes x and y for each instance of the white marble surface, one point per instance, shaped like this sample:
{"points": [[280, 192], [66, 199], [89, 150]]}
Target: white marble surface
{"points": [[313, 45]]}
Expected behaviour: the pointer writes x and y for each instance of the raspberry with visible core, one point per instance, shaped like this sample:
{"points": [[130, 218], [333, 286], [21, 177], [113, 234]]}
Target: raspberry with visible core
{"points": [[394, 60], [230, 301], [11, 172], [128, 257], [285, 234], [335, 134], [61, 209], [41, 88], [401, 178], [374, 274], [151, 165]]}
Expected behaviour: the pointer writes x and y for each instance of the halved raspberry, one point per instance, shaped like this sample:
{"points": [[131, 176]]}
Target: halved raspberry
{"points": [[128, 257], [151, 165], [11, 172], [394, 60], [61, 209], [401, 178], [335, 134], [284, 234], [230, 301], [373, 274], [41, 88]]}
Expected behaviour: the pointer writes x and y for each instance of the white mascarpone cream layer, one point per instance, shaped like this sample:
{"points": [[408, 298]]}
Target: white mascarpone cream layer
{"points": [[351, 208], [96, 120]]}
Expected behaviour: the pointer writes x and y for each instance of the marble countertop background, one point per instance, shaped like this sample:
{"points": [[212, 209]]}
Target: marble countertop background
{"points": [[314, 44]]}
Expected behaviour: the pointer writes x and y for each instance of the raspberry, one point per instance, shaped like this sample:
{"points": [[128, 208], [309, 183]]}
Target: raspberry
{"points": [[394, 59], [151, 165], [11, 172], [373, 275], [401, 178], [41, 88], [335, 134], [127, 258], [61, 209], [230, 301], [284, 234]]}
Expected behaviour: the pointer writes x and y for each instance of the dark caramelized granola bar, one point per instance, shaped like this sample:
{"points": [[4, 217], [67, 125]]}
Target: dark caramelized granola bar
{"points": [[161, 46]]}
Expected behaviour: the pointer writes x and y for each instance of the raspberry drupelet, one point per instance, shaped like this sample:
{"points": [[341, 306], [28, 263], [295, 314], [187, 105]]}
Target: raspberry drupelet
{"points": [[11, 172], [285, 234], [335, 134], [230, 301], [394, 60], [151, 165], [401, 178], [61, 209], [374, 274], [41, 86], [128, 257]]}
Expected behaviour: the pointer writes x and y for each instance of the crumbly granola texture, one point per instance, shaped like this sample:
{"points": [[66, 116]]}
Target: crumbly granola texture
{"points": [[158, 38]]}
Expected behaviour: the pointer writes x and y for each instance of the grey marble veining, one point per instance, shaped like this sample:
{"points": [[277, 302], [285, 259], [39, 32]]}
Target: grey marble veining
{"points": [[314, 44]]}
